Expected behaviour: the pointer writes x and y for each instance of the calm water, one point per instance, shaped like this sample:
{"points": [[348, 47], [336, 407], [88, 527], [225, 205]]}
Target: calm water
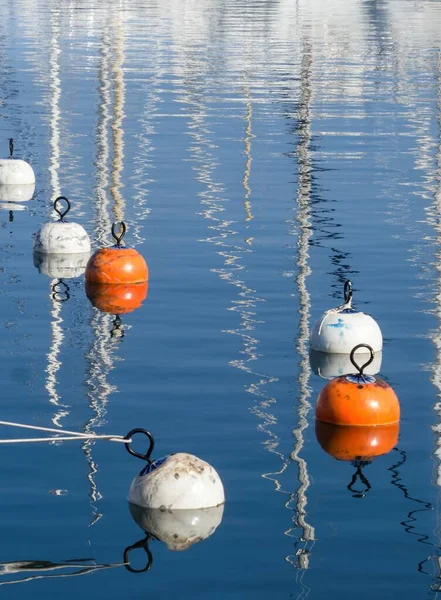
{"points": [[261, 152]]}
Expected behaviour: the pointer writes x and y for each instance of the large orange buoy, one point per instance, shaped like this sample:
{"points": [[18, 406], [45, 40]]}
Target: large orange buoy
{"points": [[358, 399], [117, 264], [116, 299], [356, 443]]}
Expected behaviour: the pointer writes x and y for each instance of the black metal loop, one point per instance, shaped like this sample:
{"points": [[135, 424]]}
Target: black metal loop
{"points": [[359, 475], [11, 147], [122, 232], [348, 291], [117, 332], [59, 212], [366, 364], [144, 543], [137, 454], [60, 295]]}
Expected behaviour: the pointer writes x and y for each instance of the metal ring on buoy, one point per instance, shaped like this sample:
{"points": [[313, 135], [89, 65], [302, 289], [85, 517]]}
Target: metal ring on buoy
{"points": [[144, 544], [119, 237], [59, 212], [130, 450], [367, 363]]}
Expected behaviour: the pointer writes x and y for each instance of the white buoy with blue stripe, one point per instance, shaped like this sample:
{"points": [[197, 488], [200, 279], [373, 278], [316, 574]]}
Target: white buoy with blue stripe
{"points": [[175, 482], [14, 171], [340, 329]]}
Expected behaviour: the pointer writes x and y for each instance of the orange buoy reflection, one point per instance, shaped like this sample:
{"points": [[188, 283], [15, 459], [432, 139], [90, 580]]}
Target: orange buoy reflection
{"points": [[356, 443], [116, 299]]}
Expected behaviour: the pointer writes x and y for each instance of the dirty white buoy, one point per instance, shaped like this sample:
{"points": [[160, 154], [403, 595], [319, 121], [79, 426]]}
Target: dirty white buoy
{"points": [[340, 329], [14, 171], [178, 529], [174, 482], [61, 237], [178, 481], [330, 366], [61, 266]]}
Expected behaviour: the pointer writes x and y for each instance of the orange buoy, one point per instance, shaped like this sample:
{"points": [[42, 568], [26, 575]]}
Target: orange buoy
{"points": [[117, 264], [358, 399], [356, 443], [117, 299]]}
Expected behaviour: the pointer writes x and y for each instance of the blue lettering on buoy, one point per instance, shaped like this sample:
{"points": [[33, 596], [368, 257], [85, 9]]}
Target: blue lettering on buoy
{"points": [[153, 465], [339, 325]]}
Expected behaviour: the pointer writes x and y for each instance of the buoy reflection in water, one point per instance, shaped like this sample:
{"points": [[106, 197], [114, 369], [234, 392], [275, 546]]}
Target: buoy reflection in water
{"points": [[178, 529], [329, 366], [61, 266], [17, 193], [116, 299], [357, 445]]}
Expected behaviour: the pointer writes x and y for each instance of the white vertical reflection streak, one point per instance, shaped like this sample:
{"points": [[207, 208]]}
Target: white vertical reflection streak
{"points": [[436, 337], [101, 357], [298, 501], [117, 121], [233, 254], [53, 363]]}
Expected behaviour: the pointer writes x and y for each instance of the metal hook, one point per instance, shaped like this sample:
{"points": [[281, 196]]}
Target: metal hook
{"points": [[366, 364], [117, 332], [141, 544], [11, 147], [122, 232], [57, 294], [359, 475], [59, 212], [348, 291], [137, 454]]}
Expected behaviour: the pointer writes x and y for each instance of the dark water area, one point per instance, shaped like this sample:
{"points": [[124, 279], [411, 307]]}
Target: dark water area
{"points": [[261, 153]]}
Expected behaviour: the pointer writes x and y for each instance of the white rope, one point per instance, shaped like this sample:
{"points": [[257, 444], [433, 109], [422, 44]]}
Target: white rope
{"points": [[72, 435]]}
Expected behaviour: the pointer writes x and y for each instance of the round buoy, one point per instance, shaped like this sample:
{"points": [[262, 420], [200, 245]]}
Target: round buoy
{"points": [[178, 529], [117, 299], [358, 399], [340, 329], [17, 193], [356, 443], [14, 171], [174, 482], [61, 237], [61, 266], [117, 264], [329, 366]]}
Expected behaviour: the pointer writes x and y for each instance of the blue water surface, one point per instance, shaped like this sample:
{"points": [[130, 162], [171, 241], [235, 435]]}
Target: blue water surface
{"points": [[261, 153]]}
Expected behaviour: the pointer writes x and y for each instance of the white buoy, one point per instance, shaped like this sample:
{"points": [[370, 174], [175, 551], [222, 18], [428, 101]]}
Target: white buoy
{"points": [[61, 237], [175, 482], [14, 171], [178, 481], [17, 193], [178, 529], [61, 266], [340, 329], [330, 366]]}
